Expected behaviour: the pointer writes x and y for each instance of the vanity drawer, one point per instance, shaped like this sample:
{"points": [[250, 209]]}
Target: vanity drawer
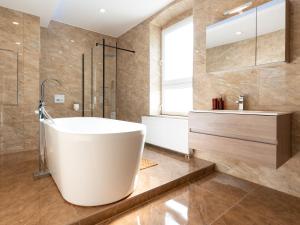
{"points": [[249, 151], [247, 127]]}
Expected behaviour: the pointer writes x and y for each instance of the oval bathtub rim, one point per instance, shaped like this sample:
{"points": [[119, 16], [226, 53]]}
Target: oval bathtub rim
{"points": [[142, 128]]}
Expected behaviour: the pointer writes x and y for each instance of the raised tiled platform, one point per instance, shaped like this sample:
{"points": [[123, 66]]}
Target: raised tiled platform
{"points": [[25, 201], [218, 199]]}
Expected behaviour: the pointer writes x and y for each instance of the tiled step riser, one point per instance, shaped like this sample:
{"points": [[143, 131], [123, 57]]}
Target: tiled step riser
{"points": [[130, 203]]}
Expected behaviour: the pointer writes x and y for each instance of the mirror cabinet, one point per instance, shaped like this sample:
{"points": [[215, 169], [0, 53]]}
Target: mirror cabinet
{"points": [[254, 37]]}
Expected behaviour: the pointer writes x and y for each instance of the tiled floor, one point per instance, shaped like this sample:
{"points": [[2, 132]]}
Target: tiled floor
{"points": [[218, 200], [24, 201]]}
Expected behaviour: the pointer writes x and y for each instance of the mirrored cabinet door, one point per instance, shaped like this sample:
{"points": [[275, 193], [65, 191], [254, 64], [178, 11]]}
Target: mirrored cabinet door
{"points": [[253, 37], [271, 32], [231, 43]]}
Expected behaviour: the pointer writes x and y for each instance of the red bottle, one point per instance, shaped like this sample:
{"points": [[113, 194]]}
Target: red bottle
{"points": [[221, 104], [214, 103]]}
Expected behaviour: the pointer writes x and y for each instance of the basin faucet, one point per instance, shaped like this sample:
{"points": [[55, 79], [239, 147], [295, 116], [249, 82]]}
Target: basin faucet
{"points": [[240, 102]]}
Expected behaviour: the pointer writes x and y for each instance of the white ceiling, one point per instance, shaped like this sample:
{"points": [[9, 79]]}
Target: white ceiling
{"points": [[120, 16], [270, 18]]}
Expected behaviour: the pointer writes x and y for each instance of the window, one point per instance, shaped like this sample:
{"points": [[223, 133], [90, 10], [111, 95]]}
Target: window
{"points": [[177, 68]]}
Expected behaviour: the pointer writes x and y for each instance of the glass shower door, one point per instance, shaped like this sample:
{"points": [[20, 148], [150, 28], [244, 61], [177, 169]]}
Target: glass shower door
{"points": [[110, 81], [99, 82], [97, 109]]}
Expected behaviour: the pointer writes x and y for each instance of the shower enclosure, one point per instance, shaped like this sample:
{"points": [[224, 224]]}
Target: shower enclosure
{"points": [[99, 76]]}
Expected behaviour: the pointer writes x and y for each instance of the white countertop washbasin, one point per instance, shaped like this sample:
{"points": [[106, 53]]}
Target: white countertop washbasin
{"points": [[245, 112]]}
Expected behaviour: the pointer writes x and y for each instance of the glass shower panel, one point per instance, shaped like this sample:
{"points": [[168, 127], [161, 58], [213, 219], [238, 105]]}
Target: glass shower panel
{"points": [[110, 82], [86, 84], [92, 82], [97, 82]]}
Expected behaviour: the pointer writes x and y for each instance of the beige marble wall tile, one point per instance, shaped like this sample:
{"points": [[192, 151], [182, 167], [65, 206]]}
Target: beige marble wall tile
{"points": [[15, 116], [62, 47], [176, 10], [8, 77], [133, 74], [155, 69]]}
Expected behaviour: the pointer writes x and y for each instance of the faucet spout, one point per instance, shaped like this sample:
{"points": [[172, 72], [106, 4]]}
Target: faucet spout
{"points": [[241, 102], [42, 88], [41, 110]]}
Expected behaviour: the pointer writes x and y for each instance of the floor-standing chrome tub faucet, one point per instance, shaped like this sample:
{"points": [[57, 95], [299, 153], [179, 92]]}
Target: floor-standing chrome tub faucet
{"points": [[43, 171]]}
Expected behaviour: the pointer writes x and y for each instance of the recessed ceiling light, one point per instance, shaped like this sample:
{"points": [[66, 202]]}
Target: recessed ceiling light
{"points": [[72, 41], [238, 33], [15, 23], [102, 10], [18, 43]]}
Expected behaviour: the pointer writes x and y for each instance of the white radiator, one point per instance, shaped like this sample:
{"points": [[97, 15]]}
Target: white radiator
{"points": [[167, 132]]}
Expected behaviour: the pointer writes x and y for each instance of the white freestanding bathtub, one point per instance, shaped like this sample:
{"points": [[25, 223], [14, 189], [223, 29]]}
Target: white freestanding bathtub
{"points": [[94, 161]]}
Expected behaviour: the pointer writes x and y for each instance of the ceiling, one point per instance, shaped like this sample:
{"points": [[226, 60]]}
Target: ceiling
{"points": [[120, 15]]}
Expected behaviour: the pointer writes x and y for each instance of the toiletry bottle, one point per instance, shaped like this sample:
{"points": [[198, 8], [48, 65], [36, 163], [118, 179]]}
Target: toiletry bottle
{"points": [[214, 103], [221, 103]]}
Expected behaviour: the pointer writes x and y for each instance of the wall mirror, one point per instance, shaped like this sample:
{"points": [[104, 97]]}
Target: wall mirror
{"points": [[254, 37]]}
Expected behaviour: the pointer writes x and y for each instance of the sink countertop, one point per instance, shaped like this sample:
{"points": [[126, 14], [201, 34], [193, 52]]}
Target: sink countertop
{"points": [[245, 112]]}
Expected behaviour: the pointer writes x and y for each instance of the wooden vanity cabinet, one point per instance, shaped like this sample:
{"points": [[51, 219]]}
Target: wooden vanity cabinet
{"points": [[258, 138]]}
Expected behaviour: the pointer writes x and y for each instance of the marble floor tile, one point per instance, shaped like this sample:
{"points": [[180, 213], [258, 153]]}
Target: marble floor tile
{"points": [[24, 200], [239, 215], [187, 205], [205, 202], [278, 206], [216, 199], [227, 187]]}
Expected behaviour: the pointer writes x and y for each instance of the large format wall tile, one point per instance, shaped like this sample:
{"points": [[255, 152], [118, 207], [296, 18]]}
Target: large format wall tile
{"points": [[24, 40], [133, 74], [62, 47]]}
